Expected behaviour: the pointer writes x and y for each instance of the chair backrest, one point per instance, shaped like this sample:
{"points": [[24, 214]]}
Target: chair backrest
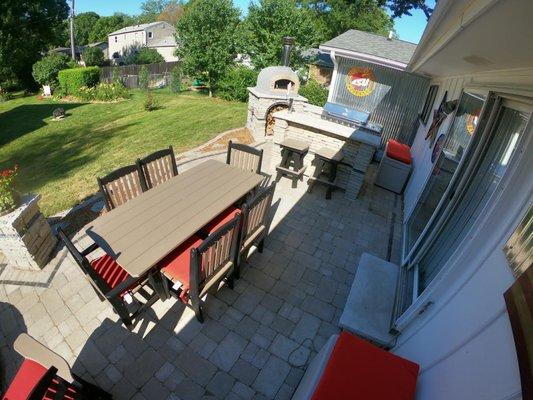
{"points": [[256, 213], [52, 387], [217, 254], [158, 167], [121, 185], [244, 157]]}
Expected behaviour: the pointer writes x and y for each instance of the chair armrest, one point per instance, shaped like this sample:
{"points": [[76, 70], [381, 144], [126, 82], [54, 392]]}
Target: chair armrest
{"points": [[31, 349], [90, 249]]}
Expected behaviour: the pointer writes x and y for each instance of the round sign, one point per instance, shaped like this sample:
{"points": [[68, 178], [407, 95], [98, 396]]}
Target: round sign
{"points": [[472, 120], [360, 81]]}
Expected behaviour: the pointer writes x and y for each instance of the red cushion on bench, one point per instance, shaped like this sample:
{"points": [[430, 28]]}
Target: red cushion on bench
{"points": [[399, 151], [109, 270], [221, 219], [359, 370], [28, 376], [177, 265]]}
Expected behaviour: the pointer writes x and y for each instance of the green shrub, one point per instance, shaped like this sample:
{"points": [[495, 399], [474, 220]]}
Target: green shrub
{"points": [[45, 71], [314, 92], [151, 103], [103, 92], [175, 80], [5, 96], [71, 80], [147, 56], [144, 77], [234, 84], [93, 56]]}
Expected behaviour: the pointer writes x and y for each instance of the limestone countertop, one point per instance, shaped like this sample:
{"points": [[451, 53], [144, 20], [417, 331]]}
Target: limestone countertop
{"points": [[341, 131]]}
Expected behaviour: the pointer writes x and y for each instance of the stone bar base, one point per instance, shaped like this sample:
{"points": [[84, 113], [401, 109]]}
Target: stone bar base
{"points": [[26, 239], [357, 148]]}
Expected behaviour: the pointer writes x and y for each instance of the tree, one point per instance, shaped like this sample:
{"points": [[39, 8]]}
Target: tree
{"points": [[27, 28], [268, 22], [172, 13], [93, 56], [144, 77], [83, 25], [207, 40], [338, 16], [45, 71], [105, 25], [401, 7], [146, 55]]}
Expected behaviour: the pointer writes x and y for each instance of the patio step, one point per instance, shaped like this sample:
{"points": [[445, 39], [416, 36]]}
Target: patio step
{"points": [[370, 303]]}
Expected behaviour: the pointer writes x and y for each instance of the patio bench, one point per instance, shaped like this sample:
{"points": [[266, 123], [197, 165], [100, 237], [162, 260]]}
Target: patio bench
{"points": [[44, 374], [348, 367]]}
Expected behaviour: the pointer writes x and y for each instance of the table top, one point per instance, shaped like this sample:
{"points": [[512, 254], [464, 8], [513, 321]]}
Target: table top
{"points": [[141, 232]]}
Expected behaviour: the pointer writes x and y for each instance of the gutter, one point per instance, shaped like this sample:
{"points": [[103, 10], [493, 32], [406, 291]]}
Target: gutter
{"points": [[365, 57]]}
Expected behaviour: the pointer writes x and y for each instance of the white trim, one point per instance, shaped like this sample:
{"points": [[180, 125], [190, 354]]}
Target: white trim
{"points": [[332, 84], [365, 57]]}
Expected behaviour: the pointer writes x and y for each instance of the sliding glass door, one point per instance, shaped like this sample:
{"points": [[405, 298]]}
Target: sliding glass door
{"points": [[471, 181]]}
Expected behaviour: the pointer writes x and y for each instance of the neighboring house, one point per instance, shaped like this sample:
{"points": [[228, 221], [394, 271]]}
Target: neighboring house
{"points": [[155, 35], [320, 66], [78, 51], [104, 46]]}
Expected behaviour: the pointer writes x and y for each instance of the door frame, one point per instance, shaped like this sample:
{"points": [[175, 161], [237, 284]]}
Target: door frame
{"points": [[443, 279]]}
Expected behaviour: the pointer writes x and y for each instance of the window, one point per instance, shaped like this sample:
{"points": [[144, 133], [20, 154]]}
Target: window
{"points": [[150, 35], [116, 39], [428, 104]]}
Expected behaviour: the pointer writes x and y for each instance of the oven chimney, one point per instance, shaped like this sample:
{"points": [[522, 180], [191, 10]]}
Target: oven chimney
{"points": [[288, 42]]}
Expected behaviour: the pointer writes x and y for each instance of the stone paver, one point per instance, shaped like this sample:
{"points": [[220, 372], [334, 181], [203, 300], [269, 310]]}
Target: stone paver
{"points": [[257, 339]]}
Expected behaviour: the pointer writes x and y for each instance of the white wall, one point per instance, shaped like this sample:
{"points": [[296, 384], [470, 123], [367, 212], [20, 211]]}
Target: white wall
{"points": [[125, 41], [464, 342], [167, 53]]}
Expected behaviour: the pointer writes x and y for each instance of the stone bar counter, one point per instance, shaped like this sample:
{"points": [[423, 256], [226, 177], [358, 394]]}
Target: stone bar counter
{"points": [[357, 144]]}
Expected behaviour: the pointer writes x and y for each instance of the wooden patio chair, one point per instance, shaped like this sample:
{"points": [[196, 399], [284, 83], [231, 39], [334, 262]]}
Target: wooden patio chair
{"points": [[244, 157], [256, 223], [158, 167], [44, 374], [121, 185], [199, 266], [112, 283]]}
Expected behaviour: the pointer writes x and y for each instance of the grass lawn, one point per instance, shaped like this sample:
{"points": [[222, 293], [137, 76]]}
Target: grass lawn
{"points": [[61, 159]]}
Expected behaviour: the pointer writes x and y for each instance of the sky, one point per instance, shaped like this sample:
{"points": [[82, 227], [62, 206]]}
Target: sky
{"points": [[409, 28]]}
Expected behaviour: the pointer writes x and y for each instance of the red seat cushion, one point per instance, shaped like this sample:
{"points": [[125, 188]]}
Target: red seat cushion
{"points": [[359, 370], [226, 216], [177, 265], [109, 270], [399, 151], [27, 377]]}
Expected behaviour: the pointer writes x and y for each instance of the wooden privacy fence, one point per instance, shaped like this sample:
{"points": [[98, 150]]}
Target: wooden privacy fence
{"points": [[159, 73]]}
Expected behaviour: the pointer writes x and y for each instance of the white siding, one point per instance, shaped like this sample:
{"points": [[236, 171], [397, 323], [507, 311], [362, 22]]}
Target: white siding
{"points": [[464, 342], [167, 53]]}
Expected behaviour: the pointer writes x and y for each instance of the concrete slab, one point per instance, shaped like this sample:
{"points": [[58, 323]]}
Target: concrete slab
{"points": [[369, 306]]}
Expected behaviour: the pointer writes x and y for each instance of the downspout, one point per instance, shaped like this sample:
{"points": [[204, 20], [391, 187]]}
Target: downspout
{"points": [[334, 76]]}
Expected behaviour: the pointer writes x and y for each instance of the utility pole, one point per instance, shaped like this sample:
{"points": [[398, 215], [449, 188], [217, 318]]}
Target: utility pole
{"points": [[72, 47]]}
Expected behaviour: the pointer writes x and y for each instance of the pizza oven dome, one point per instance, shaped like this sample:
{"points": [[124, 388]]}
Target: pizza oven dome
{"points": [[278, 80]]}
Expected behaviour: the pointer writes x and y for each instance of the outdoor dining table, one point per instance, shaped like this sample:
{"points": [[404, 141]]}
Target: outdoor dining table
{"points": [[143, 231]]}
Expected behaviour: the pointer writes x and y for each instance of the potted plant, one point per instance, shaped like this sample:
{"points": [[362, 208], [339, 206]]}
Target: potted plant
{"points": [[9, 197]]}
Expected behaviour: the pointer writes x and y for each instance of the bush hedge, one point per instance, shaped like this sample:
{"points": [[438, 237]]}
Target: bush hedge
{"points": [[314, 92], [71, 80], [93, 56], [235, 83]]}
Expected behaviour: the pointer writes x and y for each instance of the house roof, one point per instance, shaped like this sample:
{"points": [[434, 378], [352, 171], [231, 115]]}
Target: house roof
{"points": [[134, 28], [316, 57], [356, 43], [167, 41]]}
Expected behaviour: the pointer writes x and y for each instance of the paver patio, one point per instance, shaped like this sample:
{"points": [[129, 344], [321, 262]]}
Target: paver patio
{"points": [[257, 338]]}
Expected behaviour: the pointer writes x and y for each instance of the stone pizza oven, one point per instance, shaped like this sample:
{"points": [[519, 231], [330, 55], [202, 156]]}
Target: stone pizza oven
{"points": [[274, 90]]}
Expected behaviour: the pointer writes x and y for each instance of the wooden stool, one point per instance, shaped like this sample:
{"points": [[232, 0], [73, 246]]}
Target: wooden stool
{"points": [[292, 160], [326, 161]]}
